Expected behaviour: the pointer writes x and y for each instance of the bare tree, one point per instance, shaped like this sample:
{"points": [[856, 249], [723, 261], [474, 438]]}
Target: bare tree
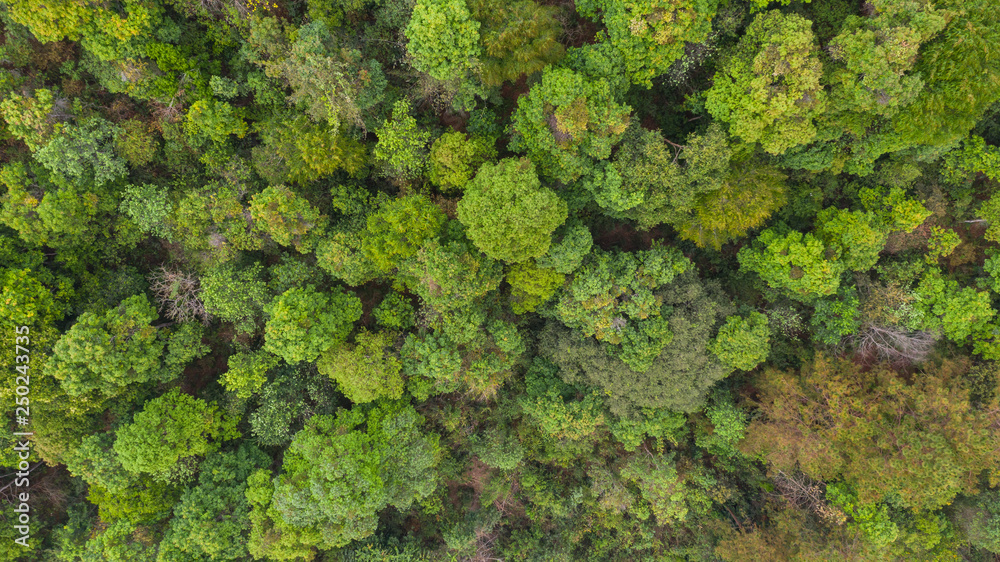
{"points": [[894, 344], [179, 295], [805, 493]]}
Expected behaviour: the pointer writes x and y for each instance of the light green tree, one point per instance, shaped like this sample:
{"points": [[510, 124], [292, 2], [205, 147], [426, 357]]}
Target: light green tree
{"points": [[304, 322], [743, 342], [170, 428], [390, 462], [105, 353], [646, 36], [401, 150], [287, 218], [367, 370], [454, 159], [796, 263], [769, 90], [508, 214], [443, 39], [567, 122]]}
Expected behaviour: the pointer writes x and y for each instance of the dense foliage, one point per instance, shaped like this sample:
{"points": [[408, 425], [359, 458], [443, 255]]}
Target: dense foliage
{"points": [[406, 280]]}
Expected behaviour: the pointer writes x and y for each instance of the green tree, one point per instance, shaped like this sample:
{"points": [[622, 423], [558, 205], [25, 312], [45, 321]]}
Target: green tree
{"points": [[105, 353], [645, 37], [450, 275], [571, 243], [745, 200], [364, 371], [401, 150], [743, 343], [297, 150], [793, 262], [567, 122], [398, 230], [443, 39], [168, 430], [835, 318], [613, 298], [562, 411], [517, 38], [149, 208], [961, 70], [211, 120], [287, 218], [856, 235], [508, 214], [211, 520], [236, 295], [246, 372], [83, 153], [769, 90], [304, 322], [332, 82], [957, 311], [531, 286], [391, 462], [679, 376], [394, 312], [454, 159]]}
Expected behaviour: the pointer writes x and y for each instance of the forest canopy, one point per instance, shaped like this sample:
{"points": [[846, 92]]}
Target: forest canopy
{"points": [[471, 280]]}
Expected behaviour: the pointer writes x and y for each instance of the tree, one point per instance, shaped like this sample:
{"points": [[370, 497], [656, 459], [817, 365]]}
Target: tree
{"points": [[613, 298], [835, 318], [212, 223], [236, 295], [454, 159], [212, 120], [330, 81], [401, 150], [562, 411], [646, 36], [246, 372], [298, 150], [531, 286], [450, 275], [679, 376], [304, 322], [508, 214], [876, 432], [958, 312], [743, 343], [856, 235], [105, 353], [769, 91], [211, 520], [168, 430], [443, 39], [148, 207], [571, 243], [287, 218], [567, 122], [398, 230], [793, 262], [336, 478], [517, 38], [669, 492], [748, 197], [961, 70], [394, 312], [83, 153], [365, 371]]}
